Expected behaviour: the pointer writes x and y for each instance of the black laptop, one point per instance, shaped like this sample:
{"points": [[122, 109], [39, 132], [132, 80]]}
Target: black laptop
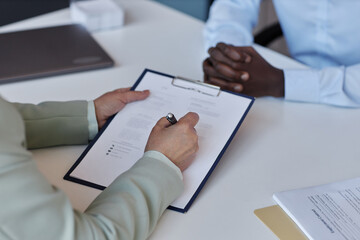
{"points": [[49, 51]]}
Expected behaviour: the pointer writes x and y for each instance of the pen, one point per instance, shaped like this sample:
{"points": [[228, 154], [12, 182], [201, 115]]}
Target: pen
{"points": [[171, 118]]}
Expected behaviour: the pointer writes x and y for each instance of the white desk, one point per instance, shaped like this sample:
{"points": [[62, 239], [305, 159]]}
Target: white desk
{"points": [[281, 145]]}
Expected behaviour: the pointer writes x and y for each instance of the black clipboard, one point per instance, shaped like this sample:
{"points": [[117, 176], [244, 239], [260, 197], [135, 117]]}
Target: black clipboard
{"points": [[215, 91]]}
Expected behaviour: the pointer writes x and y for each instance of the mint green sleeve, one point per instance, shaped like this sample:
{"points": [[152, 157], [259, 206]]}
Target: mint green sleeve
{"points": [[136, 200], [91, 116], [31, 208], [55, 123]]}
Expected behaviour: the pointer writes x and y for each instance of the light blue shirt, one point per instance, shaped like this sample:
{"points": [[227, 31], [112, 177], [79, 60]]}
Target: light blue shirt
{"points": [[323, 34]]}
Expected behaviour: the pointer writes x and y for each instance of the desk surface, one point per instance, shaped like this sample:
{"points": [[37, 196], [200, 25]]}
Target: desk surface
{"points": [[281, 145]]}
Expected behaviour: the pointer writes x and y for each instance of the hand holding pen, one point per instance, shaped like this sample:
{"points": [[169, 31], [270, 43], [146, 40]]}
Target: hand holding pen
{"points": [[178, 142]]}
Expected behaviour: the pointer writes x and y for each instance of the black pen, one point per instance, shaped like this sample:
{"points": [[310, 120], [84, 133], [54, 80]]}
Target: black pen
{"points": [[171, 118]]}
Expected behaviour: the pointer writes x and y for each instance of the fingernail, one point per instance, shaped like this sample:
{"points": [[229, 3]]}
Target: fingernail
{"points": [[245, 76], [238, 88], [227, 71], [235, 55], [247, 59]]}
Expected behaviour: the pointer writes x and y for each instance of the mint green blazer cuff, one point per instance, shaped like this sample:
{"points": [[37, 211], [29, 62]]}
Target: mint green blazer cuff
{"points": [[132, 205], [55, 123]]}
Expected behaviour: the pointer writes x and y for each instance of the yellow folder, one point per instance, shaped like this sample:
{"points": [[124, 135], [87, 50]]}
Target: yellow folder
{"points": [[280, 223]]}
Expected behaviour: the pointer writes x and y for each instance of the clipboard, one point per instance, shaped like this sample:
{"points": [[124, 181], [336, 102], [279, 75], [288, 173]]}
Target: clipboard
{"points": [[191, 87]]}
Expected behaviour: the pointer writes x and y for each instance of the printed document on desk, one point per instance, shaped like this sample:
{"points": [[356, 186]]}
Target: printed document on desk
{"points": [[117, 147], [330, 211]]}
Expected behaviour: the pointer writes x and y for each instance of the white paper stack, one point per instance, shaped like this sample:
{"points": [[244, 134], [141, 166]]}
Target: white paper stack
{"points": [[97, 15], [330, 211]]}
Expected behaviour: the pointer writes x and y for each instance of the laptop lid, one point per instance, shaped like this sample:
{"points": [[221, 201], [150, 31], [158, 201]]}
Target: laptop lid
{"points": [[49, 51]]}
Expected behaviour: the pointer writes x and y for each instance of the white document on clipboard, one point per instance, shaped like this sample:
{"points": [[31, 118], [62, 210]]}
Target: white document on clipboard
{"points": [[123, 141]]}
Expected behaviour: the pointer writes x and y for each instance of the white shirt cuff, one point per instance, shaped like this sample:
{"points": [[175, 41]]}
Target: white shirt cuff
{"points": [[302, 85], [162, 158], [93, 125]]}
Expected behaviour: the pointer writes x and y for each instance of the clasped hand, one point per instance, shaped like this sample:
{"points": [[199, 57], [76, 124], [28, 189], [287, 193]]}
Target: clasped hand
{"points": [[242, 70]]}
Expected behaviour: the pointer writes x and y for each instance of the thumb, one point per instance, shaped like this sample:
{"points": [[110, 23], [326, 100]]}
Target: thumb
{"points": [[132, 96], [163, 123]]}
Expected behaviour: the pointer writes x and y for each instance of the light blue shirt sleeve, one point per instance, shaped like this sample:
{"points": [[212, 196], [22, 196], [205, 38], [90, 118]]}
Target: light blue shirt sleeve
{"points": [[320, 34], [93, 125], [339, 86], [231, 22]]}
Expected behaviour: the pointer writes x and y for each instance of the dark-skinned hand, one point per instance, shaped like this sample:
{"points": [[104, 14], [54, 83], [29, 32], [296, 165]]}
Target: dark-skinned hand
{"points": [[242, 70]]}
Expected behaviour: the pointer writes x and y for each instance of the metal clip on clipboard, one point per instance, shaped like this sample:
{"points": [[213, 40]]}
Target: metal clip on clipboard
{"points": [[197, 86]]}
